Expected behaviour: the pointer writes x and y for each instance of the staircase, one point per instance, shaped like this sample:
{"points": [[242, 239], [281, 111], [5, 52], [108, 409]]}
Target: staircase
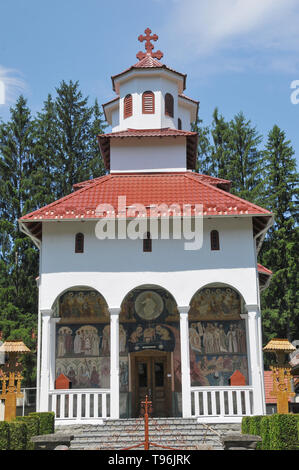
{"points": [[177, 433]]}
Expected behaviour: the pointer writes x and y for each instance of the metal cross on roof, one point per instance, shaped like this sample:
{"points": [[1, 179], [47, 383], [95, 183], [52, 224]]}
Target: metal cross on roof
{"points": [[148, 45]]}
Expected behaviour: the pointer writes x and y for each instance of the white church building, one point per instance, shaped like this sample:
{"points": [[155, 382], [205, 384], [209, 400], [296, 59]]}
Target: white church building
{"points": [[149, 282]]}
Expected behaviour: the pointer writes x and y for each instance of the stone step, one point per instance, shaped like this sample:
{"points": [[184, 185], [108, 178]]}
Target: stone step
{"points": [[179, 433]]}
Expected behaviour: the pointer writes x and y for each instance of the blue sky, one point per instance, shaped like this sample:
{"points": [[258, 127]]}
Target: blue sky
{"points": [[239, 55]]}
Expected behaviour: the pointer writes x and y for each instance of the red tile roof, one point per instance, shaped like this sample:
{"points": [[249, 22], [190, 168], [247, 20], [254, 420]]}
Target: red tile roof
{"points": [[218, 182], [148, 190], [149, 62], [192, 141], [261, 269]]}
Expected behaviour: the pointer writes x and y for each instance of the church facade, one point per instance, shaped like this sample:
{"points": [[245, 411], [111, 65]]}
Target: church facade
{"points": [[149, 282]]}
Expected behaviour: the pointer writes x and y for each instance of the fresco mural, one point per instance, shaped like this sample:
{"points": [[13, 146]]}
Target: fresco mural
{"points": [[85, 372], [83, 354], [149, 320], [221, 303], [217, 337], [76, 305]]}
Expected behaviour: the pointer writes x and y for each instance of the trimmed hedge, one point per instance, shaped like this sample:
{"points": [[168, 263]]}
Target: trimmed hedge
{"points": [[47, 421], [33, 425], [278, 431], [4, 435], [17, 434], [283, 432], [265, 432]]}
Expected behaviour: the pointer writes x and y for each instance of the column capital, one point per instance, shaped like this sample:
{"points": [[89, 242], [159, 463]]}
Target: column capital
{"points": [[183, 309], [46, 313], [252, 309], [55, 319]]}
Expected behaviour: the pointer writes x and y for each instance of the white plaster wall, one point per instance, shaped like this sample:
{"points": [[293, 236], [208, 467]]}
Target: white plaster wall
{"points": [[114, 267], [115, 119], [148, 154], [185, 115], [136, 86]]}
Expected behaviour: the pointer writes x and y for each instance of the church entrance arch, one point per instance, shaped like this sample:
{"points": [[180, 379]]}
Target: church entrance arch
{"points": [[217, 336], [82, 338], [150, 358]]}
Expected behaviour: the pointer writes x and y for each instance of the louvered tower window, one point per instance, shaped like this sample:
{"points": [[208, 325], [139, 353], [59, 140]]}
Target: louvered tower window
{"points": [[128, 106], [79, 243], [169, 105], [148, 102], [215, 240]]}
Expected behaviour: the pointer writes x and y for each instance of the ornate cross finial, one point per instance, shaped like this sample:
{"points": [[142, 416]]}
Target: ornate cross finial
{"points": [[148, 45]]}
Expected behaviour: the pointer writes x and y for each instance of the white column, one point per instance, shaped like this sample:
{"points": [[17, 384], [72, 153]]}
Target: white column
{"points": [[255, 365], [52, 355], [185, 362], [114, 362], [45, 360]]}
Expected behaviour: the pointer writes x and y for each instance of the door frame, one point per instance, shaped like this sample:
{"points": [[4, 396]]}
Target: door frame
{"points": [[168, 376]]}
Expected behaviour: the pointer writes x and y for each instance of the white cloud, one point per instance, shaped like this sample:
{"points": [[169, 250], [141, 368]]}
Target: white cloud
{"points": [[200, 29], [11, 85]]}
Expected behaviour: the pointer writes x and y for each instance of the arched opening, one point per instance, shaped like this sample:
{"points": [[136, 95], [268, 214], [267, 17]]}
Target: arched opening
{"points": [[217, 336], [79, 243], [147, 243], [150, 358], [83, 338], [169, 105], [214, 239]]}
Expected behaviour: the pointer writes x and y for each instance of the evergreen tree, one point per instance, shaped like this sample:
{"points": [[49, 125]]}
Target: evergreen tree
{"points": [[230, 150], [220, 152], [279, 252], [19, 259], [203, 162], [97, 127], [244, 159]]}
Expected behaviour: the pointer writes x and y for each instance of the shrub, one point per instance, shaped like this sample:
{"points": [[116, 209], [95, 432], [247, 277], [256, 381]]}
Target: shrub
{"points": [[47, 421], [265, 432], [245, 425], [17, 435], [33, 424], [283, 432], [4, 435]]}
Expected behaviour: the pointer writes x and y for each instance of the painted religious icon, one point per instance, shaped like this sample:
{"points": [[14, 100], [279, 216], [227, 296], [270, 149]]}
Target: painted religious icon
{"points": [[149, 305], [85, 373], [218, 337], [78, 305], [151, 336], [82, 340], [217, 349], [215, 303]]}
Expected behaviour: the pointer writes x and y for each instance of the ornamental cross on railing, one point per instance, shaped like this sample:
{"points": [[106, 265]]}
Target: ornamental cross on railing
{"points": [[149, 46]]}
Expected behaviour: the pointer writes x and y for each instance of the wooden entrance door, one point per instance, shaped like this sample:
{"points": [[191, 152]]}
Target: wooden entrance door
{"points": [[151, 374]]}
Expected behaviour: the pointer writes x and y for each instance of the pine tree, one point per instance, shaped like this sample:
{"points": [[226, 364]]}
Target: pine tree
{"points": [[19, 259], [244, 159], [220, 153], [279, 252], [45, 152], [97, 127]]}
